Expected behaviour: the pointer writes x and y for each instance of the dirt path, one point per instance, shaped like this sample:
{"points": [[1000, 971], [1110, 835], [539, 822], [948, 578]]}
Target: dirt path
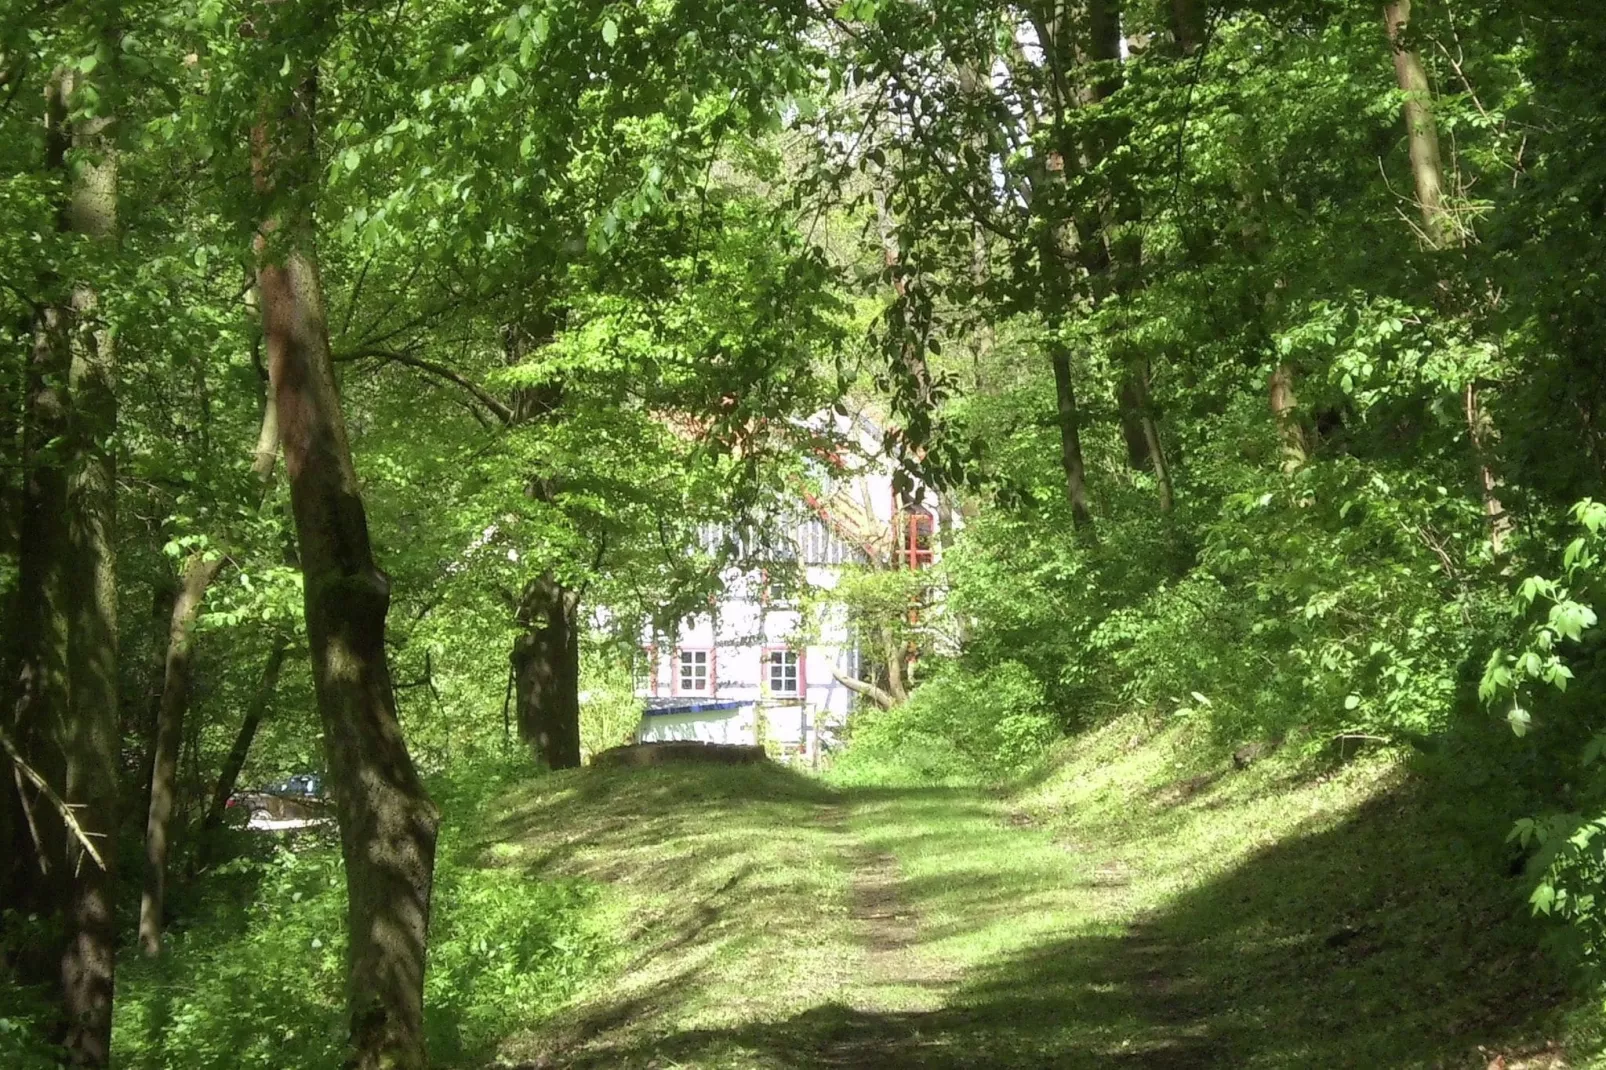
{"points": [[765, 921], [897, 976]]}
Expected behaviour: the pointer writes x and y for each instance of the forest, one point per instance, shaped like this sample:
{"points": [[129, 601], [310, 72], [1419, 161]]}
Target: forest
{"points": [[384, 384]]}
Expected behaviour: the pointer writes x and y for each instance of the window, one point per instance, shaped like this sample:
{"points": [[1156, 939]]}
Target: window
{"points": [[646, 670], [917, 543], [693, 672], [772, 589], [783, 672]]}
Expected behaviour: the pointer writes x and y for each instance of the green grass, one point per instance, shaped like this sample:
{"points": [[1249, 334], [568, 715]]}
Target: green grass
{"points": [[1137, 901], [730, 898], [1145, 903], [1140, 902]]}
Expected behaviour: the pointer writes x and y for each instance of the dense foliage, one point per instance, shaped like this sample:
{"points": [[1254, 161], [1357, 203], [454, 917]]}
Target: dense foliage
{"points": [[1248, 351]]}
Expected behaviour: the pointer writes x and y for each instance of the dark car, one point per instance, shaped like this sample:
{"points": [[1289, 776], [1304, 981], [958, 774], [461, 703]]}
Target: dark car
{"points": [[297, 798]]}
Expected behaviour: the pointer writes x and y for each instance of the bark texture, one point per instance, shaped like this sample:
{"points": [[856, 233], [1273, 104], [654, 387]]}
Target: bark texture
{"points": [[178, 669], [1427, 168], [387, 821], [90, 739], [1070, 437], [1291, 436], [546, 672]]}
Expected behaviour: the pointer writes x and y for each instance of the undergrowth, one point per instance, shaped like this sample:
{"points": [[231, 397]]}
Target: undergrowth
{"points": [[257, 980]]}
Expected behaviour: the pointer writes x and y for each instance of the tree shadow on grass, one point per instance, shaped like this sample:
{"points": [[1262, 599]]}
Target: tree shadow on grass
{"points": [[1390, 940]]}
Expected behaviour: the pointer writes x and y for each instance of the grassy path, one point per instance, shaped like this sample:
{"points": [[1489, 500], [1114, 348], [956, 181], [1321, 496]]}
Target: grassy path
{"points": [[1127, 910]]}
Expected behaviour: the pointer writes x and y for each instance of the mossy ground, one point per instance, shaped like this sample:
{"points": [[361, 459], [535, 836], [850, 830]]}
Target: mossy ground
{"points": [[1140, 902]]}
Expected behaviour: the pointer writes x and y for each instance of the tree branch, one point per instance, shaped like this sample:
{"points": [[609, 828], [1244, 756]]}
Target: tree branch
{"points": [[498, 408], [62, 807], [862, 687]]}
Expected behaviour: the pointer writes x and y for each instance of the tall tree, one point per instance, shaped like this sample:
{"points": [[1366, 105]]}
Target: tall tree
{"points": [[1440, 230], [90, 739], [387, 821], [201, 568]]}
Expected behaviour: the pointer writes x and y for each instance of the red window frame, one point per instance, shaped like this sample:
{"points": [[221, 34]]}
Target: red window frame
{"points": [[917, 539], [802, 676], [674, 680]]}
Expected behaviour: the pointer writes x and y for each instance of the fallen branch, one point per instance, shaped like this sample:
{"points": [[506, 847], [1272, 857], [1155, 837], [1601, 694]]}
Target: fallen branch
{"points": [[62, 806]]}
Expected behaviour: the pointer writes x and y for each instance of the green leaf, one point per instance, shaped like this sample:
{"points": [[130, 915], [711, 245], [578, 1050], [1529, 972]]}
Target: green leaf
{"points": [[610, 31], [1593, 749], [1352, 702], [1572, 619], [476, 88], [1520, 720]]}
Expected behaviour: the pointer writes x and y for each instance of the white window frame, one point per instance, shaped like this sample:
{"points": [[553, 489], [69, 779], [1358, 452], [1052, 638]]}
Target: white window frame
{"points": [[686, 666], [775, 663]]}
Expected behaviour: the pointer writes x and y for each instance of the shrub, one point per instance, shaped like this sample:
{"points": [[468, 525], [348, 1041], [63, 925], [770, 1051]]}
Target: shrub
{"points": [[960, 726], [23, 1009], [258, 982], [1549, 690]]}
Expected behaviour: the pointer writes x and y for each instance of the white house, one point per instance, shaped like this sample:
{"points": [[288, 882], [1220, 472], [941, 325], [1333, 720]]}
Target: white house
{"points": [[753, 669]]}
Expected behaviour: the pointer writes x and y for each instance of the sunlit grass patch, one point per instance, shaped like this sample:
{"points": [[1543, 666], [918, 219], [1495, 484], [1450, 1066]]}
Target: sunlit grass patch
{"points": [[1144, 898], [730, 889]]}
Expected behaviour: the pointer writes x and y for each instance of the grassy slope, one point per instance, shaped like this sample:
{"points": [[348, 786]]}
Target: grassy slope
{"points": [[1155, 909], [1129, 906], [731, 895]]}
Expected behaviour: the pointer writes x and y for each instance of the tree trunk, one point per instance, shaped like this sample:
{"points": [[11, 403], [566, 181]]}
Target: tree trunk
{"points": [[1162, 466], [229, 776], [546, 668], [1422, 134], [1129, 401], [1285, 412], [861, 687], [1187, 25], [1481, 430], [1145, 449], [1070, 437], [545, 659], [1440, 230], [387, 821], [39, 697], [1072, 233], [895, 654], [199, 572], [91, 739]]}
